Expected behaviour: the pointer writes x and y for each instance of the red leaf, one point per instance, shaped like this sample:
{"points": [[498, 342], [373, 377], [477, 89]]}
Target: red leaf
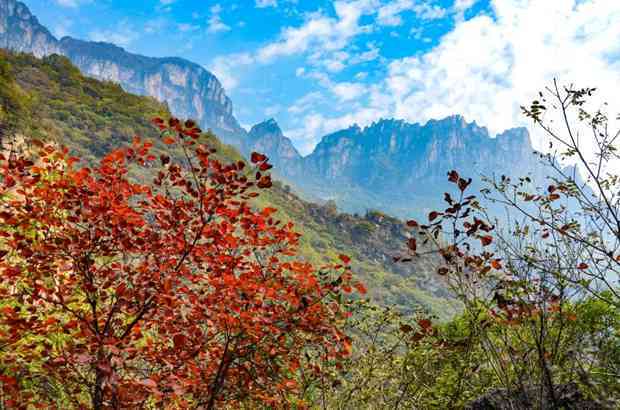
{"points": [[264, 182], [582, 266], [256, 157], [361, 288], [425, 324], [412, 224], [486, 240], [412, 244], [463, 184], [433, 215], [345, 259], [453, 176], [179, 340]]}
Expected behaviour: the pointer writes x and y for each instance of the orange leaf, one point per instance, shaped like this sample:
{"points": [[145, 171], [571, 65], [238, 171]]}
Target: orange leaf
{"points": [[361, 288], [168, 140]]}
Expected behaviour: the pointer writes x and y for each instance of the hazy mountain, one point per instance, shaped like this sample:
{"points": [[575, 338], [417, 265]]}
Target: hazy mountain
{"points": [[267, 138], [400, 167]]}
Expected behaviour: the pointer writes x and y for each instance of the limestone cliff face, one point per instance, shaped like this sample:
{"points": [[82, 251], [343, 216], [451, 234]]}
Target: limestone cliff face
{"points": [[267, 138], [189, 90], [393, 155], [21, 31]]}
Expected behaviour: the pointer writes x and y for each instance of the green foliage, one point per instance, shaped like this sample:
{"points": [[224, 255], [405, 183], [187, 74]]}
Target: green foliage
{"points": [[410, 362], [90, 117], [14, 102]]}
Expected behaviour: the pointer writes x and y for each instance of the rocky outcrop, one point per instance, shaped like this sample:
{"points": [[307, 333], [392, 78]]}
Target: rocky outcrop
{"points": [[21, 31], [396, 155], [189, 90], [400, 167], [267, 137]]}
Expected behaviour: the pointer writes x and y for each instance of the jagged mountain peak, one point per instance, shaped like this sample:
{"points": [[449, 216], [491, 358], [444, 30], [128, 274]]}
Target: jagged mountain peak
{"points": [[21, 31], [269, 126]]}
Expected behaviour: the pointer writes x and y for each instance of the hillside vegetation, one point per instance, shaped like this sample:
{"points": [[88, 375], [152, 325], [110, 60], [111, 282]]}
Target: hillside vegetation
{"points": [[173, 274], [91, 117]]}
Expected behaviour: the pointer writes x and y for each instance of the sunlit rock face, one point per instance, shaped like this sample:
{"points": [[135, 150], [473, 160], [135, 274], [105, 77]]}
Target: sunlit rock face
{"points": [[267, 137], [21, 31], [189, 90]]}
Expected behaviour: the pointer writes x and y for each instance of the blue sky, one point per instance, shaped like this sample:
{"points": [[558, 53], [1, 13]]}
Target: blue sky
{"points": [[317, 65]]}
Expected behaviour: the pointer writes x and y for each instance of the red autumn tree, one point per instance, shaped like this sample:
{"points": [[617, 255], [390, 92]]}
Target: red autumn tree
{"points": [[120, 294]]}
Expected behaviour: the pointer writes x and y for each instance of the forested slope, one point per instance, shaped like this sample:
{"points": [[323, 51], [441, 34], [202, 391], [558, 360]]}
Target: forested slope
{"points": [[49, 99]]}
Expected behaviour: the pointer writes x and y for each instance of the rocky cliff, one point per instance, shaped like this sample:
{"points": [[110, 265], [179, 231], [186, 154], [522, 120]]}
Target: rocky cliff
{"points": [[396, 166], [189, 90], [267, 138], [396, 155], [21, 31]]}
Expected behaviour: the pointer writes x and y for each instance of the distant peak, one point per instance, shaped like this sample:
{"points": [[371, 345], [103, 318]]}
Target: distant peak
{"points": [[269, 126], [518, 136]]}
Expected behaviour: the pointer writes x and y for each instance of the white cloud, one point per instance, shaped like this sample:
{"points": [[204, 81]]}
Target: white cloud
{"points": [[487, 67], [215, 23], [323, 33], [72, 3], [272, 110], [347, 91], [185, 27], [306, 102], [122, 35], [390, 13], [369, 55], [226, 68], [322, 38], [155, 25], [266, 3], [62, 27]]}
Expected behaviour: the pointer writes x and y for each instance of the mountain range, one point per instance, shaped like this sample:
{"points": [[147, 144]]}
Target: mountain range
{"points": [[389, 165]]}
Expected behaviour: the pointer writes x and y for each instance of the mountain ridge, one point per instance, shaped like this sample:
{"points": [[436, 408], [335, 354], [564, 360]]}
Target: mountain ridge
{"points": [[189, 89], [400, 167]]}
